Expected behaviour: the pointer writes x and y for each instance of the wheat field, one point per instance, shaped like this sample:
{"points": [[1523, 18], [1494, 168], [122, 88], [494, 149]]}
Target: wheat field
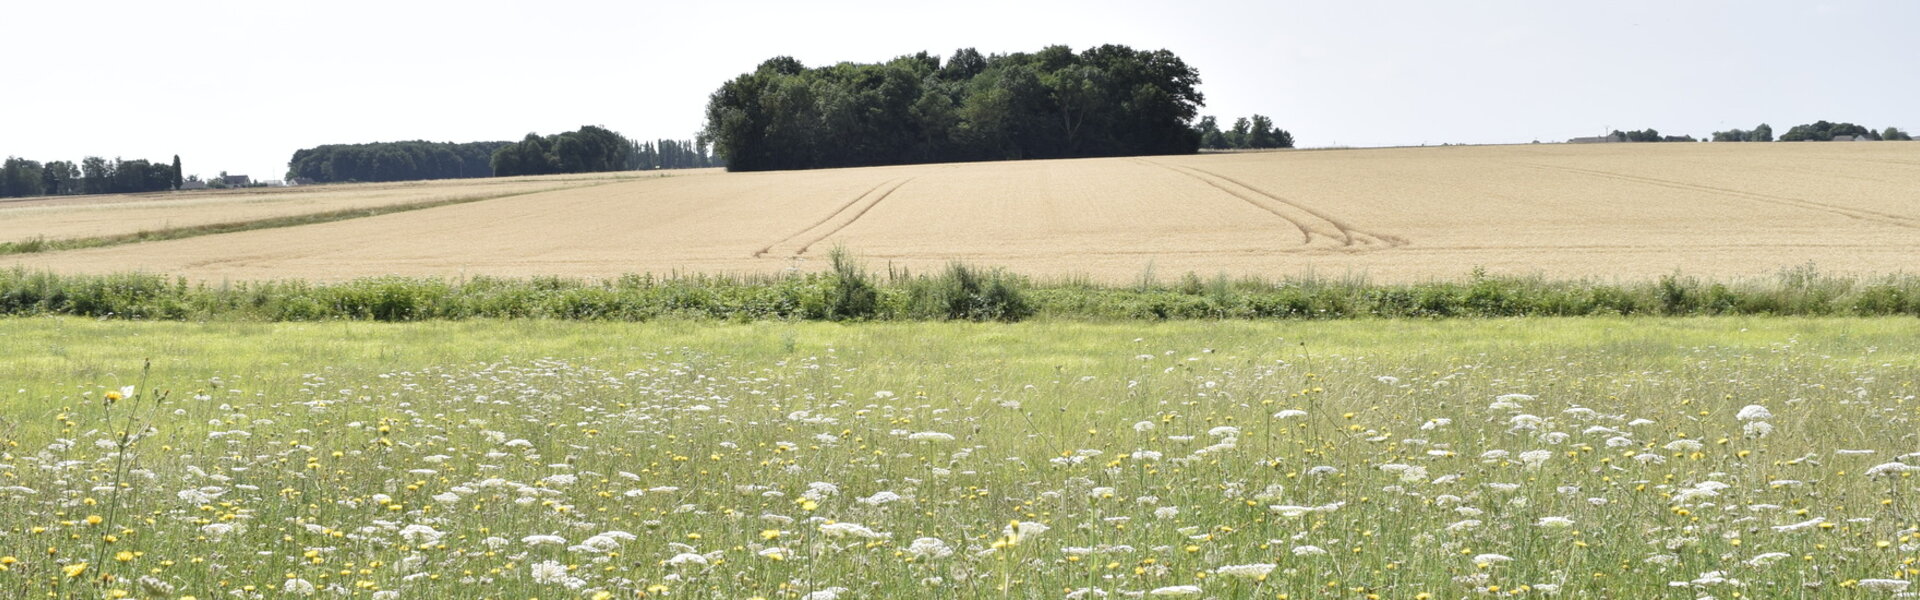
{"points": [[1625, 211]]}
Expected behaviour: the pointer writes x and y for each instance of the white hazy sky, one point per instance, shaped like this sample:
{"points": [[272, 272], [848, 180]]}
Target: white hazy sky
{"points": [[239, 85]]}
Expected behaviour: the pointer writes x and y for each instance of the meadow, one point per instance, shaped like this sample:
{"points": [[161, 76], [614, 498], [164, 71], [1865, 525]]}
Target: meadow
{"points": [[1600, 457], [1616, 212]]}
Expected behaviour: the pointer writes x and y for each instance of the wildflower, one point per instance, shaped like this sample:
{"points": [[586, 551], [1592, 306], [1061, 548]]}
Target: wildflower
{"points": [[686, 558], [298, 587], [1176, 590], [1885, 585], [832, 593], [927, 547], [1557, 522], [1291, 413], [1308, 551], [547, 572], [931, 436], [1534, 458], [1252, 571], [1754, 412], [852, 530], [74, 570]]}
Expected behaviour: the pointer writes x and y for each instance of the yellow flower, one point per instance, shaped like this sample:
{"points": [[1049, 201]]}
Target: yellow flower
{"points": [[75, 570], [94, 519], [123, 556], [770, 534]]}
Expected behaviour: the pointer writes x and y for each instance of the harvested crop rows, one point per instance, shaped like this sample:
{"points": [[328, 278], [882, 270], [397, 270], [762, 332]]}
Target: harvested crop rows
{"points": [[1630, 211]]}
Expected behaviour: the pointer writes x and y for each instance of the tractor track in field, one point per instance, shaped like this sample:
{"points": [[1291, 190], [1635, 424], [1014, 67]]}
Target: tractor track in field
{"points": [[1308, 221], [1843, 211], [855, 208]]}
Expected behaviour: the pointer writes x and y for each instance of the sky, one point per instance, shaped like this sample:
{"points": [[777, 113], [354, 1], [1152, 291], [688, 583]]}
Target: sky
{"points": [[237, 86]]}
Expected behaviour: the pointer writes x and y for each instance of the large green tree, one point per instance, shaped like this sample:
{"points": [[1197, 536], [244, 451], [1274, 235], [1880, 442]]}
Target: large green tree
{"points": [[1105, 101]]}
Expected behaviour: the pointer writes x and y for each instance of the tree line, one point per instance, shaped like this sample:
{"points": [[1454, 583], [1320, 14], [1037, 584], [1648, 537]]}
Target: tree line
{"points": [[392, 161], [1817, 131], [589, 150], [671, 154], [1106, 101], [1254, 133], [20, 177]]}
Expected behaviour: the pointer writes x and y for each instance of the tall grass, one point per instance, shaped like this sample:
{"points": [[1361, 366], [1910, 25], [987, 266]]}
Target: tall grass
{"points": [[961, 292]]}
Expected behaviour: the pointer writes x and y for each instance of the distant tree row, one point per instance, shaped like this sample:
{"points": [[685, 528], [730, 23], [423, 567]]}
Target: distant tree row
{"points": [[1648, 135], [1106, 101], [1257, 132], [589, 150], [1818, 131], [670, 154], [1760, 133], [392, 161], [20, 177]]}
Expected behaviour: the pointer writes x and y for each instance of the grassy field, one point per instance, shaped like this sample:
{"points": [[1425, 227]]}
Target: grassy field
{"points": [[1589, 458], [1619, 211]]}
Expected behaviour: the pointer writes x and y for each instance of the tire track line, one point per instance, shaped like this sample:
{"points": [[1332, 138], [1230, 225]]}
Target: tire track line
{"points": [[1844, 211], [855, 216], [1309, 225], [1306, 237], [1346, 231], [823, 220]]}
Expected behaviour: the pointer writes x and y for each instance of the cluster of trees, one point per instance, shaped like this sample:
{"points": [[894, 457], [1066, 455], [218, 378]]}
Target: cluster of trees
{"points": [[1760, 133], [20, 177], [1648, 135], [589, 150], [1257, 132], [1822, 131], [670, 154], [1818, 131], [393, 161], [1106, 101]]}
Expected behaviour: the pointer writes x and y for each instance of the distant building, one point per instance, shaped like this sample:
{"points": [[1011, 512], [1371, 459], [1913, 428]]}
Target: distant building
{"points": [[193, 185], [1605, 139], [299, 181], [236, 180]]}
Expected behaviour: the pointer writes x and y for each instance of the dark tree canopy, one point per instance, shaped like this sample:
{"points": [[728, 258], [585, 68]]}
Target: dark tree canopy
{"points": [[589, 150], [94, 175], [1254, 133], [1106, 101], [1822, 131], [393, 161], [1762, 133]]}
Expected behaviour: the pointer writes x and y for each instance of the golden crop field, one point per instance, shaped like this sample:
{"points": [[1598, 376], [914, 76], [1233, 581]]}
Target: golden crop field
{"points": [[1612, 211], [67, 217]]}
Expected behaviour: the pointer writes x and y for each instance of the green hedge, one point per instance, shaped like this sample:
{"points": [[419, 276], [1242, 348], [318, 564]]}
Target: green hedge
{"points": [[958, 293]]}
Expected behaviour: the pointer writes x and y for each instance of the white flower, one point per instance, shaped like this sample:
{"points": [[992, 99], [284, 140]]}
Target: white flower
{"points": [[1143, 427], [1308, 551], [1758, 429], [686, 558], [538, 540], [1684, 446], [1809, 523], [1290, 413], [1224, 430], [927, 547], [1554, 522], [1024, 529], [852, 530], [1754, 412], [1176, 590], [298, 587], [420, 534], [1492, 558], [931, 436], [1534, 458], [1885, 585], [879, 498], [1892, 468], [548, 572], [832, 593], [1769, 558], [1252, 571]]}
